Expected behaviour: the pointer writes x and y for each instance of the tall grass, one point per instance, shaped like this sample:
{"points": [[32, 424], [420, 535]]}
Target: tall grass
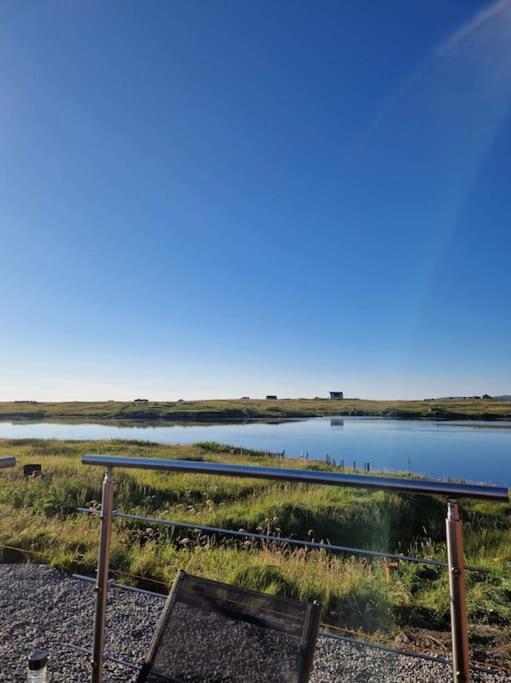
{"points": [[42, 525]]}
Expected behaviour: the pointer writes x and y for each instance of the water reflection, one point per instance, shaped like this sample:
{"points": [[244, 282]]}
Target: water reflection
{"points": [[474, 451]]}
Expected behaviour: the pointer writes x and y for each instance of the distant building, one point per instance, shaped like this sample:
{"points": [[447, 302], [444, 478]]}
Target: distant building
{"points": [[141, 400], [271, 397], [337, 395]]}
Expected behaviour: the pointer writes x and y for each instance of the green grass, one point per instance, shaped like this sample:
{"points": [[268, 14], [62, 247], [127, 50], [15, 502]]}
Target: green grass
{"points": [[42, 521], [255, 409]]}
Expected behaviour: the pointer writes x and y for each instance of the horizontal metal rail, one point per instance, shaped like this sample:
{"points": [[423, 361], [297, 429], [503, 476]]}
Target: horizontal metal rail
{"points": [[122, 586], [395, 484], [360, 642], [7, 461], [454, 534], [330, 547], [108, 656]]}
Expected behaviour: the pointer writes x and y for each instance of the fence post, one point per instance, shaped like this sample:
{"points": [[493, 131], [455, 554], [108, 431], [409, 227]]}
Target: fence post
{"points": [[459, 626], [101, 586]]}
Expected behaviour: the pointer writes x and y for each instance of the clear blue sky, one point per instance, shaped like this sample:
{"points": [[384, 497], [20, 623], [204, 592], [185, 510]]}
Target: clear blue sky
{"points": [[216, 199]]}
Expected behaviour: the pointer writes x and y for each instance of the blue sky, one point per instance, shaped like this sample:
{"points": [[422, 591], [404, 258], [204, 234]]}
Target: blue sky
{"points": [[215, 199]]}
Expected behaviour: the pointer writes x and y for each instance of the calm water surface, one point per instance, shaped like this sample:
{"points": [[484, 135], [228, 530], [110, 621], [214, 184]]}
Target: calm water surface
{"points": [[466, 450]]}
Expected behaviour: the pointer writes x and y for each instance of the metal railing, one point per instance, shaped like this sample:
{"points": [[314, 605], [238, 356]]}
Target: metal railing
{"points": [[454, 534], [7, 461]]}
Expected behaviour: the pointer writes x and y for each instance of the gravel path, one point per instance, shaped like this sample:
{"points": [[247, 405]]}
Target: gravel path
{"points": [[40, 607]]}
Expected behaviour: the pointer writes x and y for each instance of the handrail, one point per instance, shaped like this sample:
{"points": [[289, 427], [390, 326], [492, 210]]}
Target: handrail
{"points": [[415, 486], [7, 461], [454, 532]]}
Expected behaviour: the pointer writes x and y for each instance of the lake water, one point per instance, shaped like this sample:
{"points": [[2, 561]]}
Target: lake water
{"points": [[464, 450]]}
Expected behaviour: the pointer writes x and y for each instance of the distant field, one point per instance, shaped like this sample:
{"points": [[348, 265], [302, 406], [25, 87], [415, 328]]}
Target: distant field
{"points": [[254, 409]]}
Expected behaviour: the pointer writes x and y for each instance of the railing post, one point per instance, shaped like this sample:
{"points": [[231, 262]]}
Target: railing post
{"points": [[101, 587], [459, 625]]}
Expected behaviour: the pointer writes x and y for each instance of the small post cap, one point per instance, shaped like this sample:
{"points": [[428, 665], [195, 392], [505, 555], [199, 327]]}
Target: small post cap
{"points": [[37, 659]]}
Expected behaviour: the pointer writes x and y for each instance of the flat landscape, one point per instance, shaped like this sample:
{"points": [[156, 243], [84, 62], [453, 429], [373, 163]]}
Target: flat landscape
{"points": [[40, 524], [257, 409], [260, 233]]}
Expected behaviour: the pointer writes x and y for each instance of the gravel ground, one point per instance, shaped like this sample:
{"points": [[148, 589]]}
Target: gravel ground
{"points": [[40, 607]]}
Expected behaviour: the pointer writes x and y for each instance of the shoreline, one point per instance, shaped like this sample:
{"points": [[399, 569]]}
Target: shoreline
{"points": [[472, 422], [257, 410]]}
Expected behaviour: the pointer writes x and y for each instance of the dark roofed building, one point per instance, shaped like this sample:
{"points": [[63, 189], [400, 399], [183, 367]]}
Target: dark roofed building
{"points": [[271, 397], [337, 395]]}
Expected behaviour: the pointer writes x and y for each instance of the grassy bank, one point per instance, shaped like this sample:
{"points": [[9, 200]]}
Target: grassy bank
{"points": [[255, 409], [42, 524]]}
